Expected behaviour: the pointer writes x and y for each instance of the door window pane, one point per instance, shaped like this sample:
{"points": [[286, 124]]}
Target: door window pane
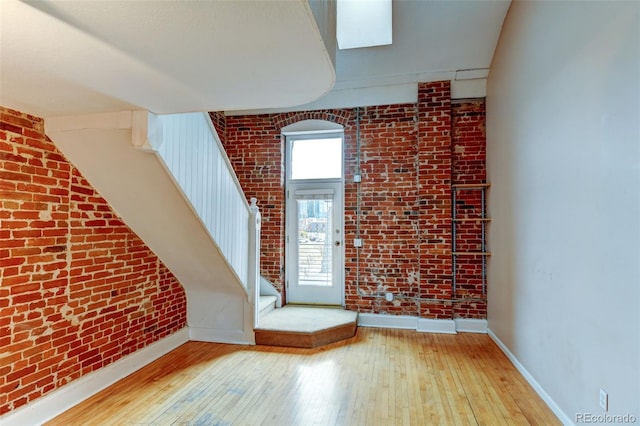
{"points": [[314, 242], [316, 158]]}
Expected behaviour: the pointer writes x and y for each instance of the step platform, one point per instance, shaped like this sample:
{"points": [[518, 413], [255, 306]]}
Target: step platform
{"points": [[305, 326]]}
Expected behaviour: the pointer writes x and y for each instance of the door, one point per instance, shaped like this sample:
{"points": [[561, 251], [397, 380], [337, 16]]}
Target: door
{"points": [[314, 228]]}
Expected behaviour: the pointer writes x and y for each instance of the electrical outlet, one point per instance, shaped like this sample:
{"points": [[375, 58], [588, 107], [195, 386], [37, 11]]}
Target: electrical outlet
{"points": [[604, 400]]}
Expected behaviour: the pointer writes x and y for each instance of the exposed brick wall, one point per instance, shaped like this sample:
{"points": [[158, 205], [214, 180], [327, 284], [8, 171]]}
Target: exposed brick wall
{"points": [[409, 155], [219, 121], [434, 186], [469, 142], [389, 258], [253, 145], [79, 289], [339, 116]]}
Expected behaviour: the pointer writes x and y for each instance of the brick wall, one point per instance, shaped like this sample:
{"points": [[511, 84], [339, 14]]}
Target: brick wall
{"points": [[389, 258], [469, 141], [79, 289], [255, 150], [219, 121], [434, 186], [409, 156]]}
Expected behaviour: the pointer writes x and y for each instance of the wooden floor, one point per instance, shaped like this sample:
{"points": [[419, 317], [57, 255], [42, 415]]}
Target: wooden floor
{"points": [[378, 377]]}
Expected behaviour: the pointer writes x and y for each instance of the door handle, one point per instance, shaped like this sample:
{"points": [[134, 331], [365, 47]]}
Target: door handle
{"points": [[337, 243]]}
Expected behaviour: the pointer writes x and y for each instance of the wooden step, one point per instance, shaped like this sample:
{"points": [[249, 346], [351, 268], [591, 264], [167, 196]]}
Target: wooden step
{"points": [[305, 327]]}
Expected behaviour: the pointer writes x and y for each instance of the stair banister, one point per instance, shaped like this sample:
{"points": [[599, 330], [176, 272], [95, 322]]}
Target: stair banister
{"points": [[193, 154]]}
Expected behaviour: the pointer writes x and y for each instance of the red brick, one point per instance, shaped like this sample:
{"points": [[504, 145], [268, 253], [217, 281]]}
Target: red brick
{"points": [[36, 286], [408, 165]]}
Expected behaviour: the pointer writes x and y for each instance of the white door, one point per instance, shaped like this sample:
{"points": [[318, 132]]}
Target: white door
{"points": [[314, 221], [315, 243]]}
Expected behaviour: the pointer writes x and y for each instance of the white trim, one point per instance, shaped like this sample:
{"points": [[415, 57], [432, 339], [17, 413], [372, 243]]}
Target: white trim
{"points": [[146, 131], [387, 321], [109, 120], [466, 89], [307, 192], [426, 325], [472, 74], [52, 404], [232, 337], [566, 420], [466, 325]]}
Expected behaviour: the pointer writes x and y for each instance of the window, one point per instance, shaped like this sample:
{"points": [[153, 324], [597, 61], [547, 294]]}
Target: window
{"points": [[316, 158], [363, 23]]}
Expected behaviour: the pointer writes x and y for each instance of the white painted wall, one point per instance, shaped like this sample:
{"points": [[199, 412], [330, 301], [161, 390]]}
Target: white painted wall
{"points": [[563, 152]]}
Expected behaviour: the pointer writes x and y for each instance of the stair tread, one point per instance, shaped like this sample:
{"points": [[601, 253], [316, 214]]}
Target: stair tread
{"points": [[266, 304], [265, 300]]}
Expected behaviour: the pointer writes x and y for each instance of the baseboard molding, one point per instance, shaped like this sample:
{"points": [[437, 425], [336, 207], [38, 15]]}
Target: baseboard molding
{"points": [[233, 337], [52, 404], [465, 325], [387, 321], [424, 325], [566, 420]]}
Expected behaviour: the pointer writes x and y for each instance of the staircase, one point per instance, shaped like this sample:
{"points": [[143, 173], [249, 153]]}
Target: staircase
{"points": [[266, 304], [170, 180]]}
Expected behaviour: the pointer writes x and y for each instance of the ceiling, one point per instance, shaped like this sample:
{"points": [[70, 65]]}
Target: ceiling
{"points": [[78, 57]]}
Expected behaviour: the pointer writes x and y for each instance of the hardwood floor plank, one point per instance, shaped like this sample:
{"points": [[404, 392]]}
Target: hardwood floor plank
{"points": [[380, 376]]}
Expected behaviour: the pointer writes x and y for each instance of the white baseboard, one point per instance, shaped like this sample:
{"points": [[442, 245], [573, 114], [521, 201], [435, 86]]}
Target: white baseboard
{"points": [[52, 404], [233, 337], [423, 324], [387, 321], [566, 420], [426, 325], [465, 325]]}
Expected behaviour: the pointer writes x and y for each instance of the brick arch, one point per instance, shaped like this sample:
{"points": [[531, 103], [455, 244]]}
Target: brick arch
{"points": [[338, 116]]}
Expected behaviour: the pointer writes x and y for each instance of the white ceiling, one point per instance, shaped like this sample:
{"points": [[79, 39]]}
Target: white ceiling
{"points": [[77, 57]]}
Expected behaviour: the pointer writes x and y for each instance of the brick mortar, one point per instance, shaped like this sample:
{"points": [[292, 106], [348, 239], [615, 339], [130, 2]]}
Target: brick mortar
{"points": [[407, 226], [79, 289]]}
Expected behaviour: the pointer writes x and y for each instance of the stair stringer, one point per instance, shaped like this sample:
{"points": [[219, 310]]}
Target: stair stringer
{"points": [[139, 189]]}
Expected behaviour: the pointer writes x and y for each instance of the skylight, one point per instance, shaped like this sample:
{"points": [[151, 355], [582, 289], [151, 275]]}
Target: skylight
{"points": [[363, 23]]}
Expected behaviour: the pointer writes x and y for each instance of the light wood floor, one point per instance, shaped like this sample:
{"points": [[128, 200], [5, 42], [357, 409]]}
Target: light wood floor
{"points": [[378, 377]]}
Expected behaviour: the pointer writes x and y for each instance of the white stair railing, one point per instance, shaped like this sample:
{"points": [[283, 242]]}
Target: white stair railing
{"points": [[191, 151]]}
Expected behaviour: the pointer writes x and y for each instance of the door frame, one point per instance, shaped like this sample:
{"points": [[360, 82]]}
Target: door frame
{"points": [[291, 221]]}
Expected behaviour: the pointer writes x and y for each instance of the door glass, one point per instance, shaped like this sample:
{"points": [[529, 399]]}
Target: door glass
{"points": [[315, 241]]}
